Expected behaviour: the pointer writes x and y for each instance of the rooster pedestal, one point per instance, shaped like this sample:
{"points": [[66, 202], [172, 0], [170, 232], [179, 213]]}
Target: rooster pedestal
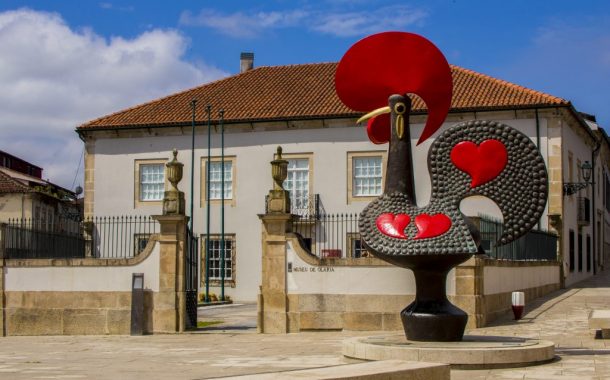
{"points": [[471, 158]]}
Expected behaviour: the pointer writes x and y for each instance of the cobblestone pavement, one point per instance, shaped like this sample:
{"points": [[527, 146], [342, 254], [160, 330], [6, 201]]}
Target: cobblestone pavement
{"points": [[561, 317], [234, 348], [235, 317]]}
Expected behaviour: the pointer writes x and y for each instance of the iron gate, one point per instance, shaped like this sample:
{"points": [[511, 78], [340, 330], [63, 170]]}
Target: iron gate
{"points": [[192, 279]]}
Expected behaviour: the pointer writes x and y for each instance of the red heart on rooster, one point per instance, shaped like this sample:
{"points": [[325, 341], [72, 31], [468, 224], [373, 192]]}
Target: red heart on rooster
{"points": [[429, 226], [393, 226], [482, 162]]}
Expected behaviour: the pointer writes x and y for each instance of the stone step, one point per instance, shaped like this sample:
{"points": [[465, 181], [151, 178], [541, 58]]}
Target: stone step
{"points": [[385, 369]]}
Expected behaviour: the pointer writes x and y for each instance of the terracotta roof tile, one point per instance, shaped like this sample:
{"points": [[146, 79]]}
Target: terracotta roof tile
{"points": [[11, 185], [304, 91]]}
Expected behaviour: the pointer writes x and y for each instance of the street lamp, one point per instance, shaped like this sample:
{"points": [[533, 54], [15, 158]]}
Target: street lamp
{"points": [[586, 170]]}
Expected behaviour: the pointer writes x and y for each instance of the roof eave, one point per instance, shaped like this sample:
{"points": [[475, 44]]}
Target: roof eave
{"points": [[83, 129]]}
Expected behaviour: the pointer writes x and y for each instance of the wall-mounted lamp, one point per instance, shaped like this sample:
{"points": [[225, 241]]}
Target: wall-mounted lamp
{"points": [[586, 170]]}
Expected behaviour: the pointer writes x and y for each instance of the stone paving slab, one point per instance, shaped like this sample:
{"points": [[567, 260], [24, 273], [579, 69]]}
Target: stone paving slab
{"points": [[561, 317]]}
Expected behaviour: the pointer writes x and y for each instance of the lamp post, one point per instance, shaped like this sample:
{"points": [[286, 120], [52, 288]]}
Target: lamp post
{"points": [[222, 206], [193, 104], [207, 206], [586, 170]]}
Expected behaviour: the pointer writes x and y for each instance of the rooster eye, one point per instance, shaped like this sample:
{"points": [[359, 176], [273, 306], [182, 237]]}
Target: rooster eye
{"points": [[399, 108]]}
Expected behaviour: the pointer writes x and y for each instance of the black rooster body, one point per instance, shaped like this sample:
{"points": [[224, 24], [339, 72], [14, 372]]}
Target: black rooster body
{"points": [[484, 158], [519, 190]]}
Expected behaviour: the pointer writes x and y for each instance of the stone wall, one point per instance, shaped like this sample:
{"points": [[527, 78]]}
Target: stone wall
{"points": [[69, 313], [485, 294], [93, 296], [340, 294]]}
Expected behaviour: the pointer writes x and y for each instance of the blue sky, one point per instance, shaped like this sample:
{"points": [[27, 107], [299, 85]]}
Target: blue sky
{"points": [[65, 62]]}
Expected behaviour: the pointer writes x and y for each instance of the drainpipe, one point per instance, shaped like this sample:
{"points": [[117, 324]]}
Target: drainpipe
{"points": [[538, 146], [594, 211]]}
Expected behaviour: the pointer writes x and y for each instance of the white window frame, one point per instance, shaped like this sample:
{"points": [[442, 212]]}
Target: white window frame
{"points": [[293, 203], [231, 186], [138, 202], [230, 264], [352, 196]]}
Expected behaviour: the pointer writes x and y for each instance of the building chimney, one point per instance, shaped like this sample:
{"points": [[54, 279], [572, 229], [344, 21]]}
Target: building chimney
{"points": [[246, 62]]}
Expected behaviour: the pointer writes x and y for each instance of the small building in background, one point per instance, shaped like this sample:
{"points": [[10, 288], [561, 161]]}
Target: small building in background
{"points": [[26, 198]]}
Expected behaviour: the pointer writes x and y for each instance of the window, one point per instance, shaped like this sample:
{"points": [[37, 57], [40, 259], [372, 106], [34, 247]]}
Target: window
{"points": [[215, 262], [140, 242], [572, 258], [580, 252], [152, 179], [365, 175], [215, 181], [356, 248], [298, 183], [588, 253], [149, 182]]}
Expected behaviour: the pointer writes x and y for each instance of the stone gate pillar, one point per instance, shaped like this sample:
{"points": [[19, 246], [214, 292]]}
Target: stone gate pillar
{"points": [[277, 221], [169, 313]]}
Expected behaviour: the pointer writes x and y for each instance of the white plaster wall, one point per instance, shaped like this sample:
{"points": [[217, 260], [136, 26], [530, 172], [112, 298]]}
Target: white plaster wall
{"points": [[114, 179], [508, 279], [580, 151], [84, 279], [389, 280]]}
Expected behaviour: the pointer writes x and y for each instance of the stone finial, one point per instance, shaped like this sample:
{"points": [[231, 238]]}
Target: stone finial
{"points": [[279, 170], [174, 170], [173, 200], [278, 200]]}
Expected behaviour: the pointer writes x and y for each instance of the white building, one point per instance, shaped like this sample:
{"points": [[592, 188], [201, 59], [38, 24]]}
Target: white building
{"points": [[296, 107]]}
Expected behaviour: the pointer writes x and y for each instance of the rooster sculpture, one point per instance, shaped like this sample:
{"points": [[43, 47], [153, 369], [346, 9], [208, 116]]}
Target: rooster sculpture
{"points": [[487, 158]]}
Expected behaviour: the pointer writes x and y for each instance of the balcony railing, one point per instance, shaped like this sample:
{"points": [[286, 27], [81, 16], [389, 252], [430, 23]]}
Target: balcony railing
{"points": [[308, 209]]}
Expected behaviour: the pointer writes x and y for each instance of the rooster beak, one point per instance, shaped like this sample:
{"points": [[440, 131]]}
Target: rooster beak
{"points": [[377, 112]]}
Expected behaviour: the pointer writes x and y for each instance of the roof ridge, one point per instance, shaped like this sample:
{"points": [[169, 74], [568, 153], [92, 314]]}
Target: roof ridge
{"points": [[510, 84]]}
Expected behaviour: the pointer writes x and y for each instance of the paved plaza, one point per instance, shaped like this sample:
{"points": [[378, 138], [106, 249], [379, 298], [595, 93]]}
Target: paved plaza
{"points": [[234, 348]]}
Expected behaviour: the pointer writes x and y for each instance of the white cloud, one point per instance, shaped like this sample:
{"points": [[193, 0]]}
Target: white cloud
{"points": [[361, 23], [110, 6], [341, 24], [240, 24], [54, 78]]}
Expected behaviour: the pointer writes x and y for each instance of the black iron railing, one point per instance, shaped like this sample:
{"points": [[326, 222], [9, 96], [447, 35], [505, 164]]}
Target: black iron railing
{"points": [[98, 237], [309, 209], [336, 235], [28, 239], [192, 278], [535, 245], [119, 236], [332, 235]]}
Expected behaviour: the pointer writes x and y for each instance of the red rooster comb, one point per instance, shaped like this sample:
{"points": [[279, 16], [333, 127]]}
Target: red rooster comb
{"points": [[390, 63]]}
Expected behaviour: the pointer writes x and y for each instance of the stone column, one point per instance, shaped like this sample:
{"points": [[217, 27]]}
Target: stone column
{"points": [[273, 301], [469, 291], [556, 222], [273, 287], [169, 312], [89, 177]]}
